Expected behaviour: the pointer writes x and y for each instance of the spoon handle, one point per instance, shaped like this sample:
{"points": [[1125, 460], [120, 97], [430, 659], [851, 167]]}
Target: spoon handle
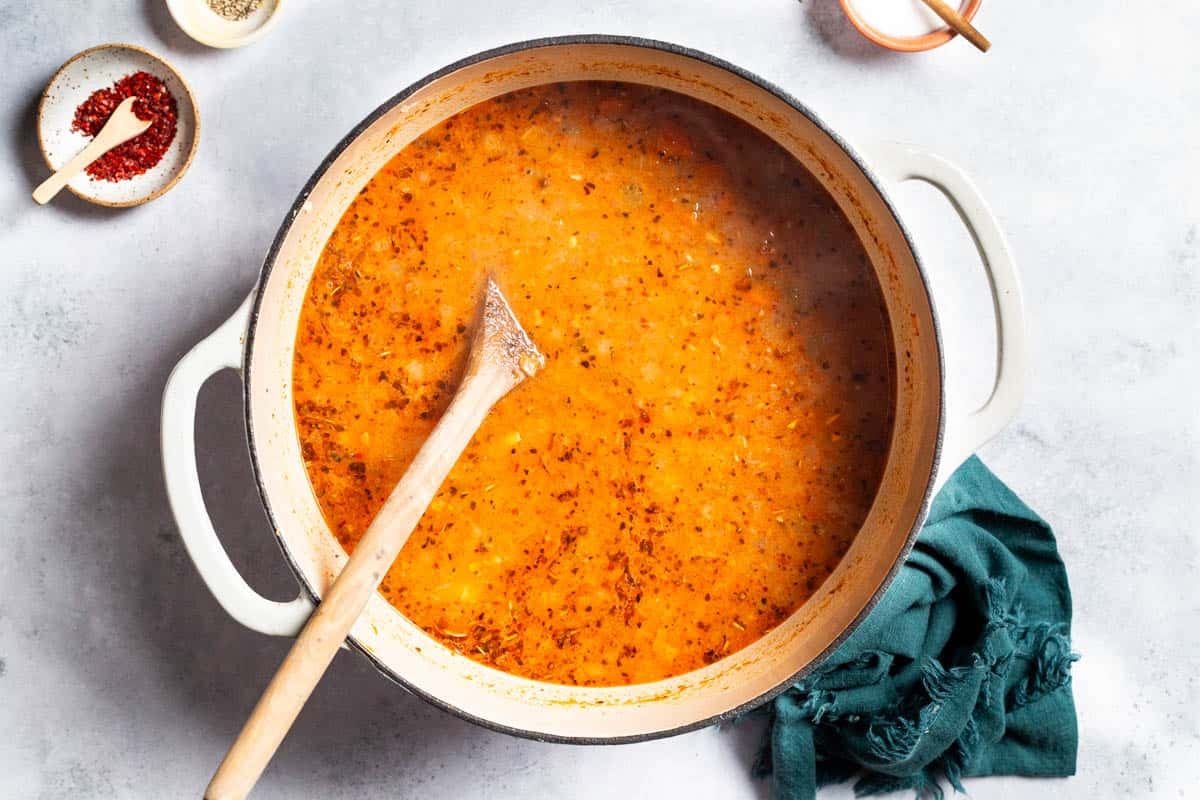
{"points": [[328, 627], [959, 24], [116, 131]]}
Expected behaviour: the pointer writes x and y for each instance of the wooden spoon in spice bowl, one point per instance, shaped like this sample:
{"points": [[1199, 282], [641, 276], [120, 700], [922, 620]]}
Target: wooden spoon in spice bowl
{"points": [[502, 356], [122, 126]]}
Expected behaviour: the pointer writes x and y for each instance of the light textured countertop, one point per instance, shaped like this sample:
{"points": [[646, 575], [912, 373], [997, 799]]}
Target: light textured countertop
{"points": [[121, 677]]}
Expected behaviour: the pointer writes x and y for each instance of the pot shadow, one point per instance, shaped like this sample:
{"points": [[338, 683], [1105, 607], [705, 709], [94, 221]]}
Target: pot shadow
{"points": [[206, 666], [747, 735], [829, 22], [359, 730]]}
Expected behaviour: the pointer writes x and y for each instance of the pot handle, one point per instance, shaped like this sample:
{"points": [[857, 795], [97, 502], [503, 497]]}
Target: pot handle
{"points": [[221, 350], [968, 430]]}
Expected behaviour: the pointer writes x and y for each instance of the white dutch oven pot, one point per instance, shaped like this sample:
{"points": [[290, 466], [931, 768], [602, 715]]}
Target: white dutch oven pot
{"points": [[928, 442]]}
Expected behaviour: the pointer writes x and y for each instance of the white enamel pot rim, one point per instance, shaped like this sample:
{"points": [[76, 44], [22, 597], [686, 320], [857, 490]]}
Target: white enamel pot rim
{"points": [[928, 442]]}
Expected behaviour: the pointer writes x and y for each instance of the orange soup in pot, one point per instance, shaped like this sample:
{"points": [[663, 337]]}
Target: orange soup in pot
{"points": [[710, 429]]}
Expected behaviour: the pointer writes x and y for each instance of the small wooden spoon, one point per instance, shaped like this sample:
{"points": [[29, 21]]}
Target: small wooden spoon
{"points": [[122, 126], [502, 356], [959, 24]]}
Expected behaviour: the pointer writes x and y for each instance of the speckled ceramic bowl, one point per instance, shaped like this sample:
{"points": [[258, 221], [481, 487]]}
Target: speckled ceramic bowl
{"points": [[98, 68]]}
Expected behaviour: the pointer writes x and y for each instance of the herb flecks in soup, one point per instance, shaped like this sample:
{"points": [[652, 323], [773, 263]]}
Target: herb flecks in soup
{"points": [[710, 428]]}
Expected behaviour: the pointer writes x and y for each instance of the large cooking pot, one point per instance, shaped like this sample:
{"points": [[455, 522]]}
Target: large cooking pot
{"points": [[929, 440]]}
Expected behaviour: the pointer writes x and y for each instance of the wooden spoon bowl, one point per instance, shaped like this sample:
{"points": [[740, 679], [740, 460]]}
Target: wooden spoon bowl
{"points": [[501, 357]]}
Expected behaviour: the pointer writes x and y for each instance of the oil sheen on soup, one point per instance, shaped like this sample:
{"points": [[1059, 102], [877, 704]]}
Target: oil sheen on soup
{"points": [[711, 426]]}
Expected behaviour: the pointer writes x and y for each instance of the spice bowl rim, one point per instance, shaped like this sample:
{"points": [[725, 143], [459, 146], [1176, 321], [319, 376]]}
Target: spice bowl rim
{"points": [[967, 9], [188, 97], [177, 10]]}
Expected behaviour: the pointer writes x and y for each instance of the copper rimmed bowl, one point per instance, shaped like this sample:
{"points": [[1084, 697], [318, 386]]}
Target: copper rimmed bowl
{"points": [[928, 440], [907, 44]]}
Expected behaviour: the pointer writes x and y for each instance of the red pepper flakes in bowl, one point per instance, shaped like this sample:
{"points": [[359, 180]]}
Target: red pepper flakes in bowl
{"points": [[143, 152]]}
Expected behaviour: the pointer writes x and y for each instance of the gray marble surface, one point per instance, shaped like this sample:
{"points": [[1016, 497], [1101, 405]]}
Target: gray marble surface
{"points": [[121, 677]]}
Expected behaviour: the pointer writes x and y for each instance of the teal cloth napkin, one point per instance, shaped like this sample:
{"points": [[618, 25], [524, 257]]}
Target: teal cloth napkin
{"points": [[963, 669]]}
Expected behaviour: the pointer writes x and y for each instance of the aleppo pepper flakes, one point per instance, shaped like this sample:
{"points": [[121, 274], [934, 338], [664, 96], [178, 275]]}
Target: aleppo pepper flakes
{"points": [[154, 101]]}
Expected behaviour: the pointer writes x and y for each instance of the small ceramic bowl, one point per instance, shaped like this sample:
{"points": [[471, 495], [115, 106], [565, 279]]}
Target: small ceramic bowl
{"points": [[98, 68], [907, 44], [202, 23]]}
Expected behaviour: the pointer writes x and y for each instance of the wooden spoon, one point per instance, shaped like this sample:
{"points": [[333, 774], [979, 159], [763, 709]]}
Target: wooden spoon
{"points": [[122, 126], [501, 357], [959, 24]]}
